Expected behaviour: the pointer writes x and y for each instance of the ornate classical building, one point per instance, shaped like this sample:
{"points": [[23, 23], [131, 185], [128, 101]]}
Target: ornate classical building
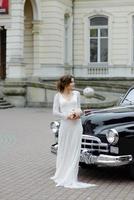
{"points": [[47, 38]]}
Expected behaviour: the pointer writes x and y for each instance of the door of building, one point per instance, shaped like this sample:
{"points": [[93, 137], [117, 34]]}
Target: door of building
{"points": [[2, 53]]}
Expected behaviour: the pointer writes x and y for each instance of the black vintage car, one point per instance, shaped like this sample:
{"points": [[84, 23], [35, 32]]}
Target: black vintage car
{"points": [[108, 135]]}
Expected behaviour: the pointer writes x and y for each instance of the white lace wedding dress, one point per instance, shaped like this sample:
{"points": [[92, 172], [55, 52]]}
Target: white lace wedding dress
{"points": [[69, 142]]}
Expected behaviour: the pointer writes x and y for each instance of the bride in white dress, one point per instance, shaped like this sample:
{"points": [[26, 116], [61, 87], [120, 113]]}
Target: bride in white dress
{"points": [[66, 106]]}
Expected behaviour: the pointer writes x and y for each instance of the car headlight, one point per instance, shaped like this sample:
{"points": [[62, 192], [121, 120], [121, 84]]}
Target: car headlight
{"points": [[55, 126], [112, 136]]}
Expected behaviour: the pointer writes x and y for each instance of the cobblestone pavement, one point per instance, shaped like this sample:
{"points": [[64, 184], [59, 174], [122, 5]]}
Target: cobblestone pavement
{"points": [[26, 163]]}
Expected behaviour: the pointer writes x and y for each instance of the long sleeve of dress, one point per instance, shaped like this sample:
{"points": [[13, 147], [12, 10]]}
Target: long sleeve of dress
{"points": [[56, 108], [78, 103]]}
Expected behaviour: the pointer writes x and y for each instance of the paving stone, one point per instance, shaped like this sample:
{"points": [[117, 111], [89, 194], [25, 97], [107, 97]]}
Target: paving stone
{"points": [[26, 163]]}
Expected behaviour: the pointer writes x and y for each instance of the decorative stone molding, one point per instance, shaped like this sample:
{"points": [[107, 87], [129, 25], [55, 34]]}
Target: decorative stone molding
{"points": [[36, 9], [68, 12], [36, 26]]}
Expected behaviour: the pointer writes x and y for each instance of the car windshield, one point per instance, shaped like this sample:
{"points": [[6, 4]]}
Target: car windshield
{"points": [[129, 98]]}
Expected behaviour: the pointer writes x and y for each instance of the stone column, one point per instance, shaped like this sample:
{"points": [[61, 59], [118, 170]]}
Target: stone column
{"points": [[36, 49], [15, 42]]}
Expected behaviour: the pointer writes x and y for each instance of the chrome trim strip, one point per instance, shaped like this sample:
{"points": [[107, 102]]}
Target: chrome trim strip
{"points": [[92, 150], [89, 137], [95, 144]]}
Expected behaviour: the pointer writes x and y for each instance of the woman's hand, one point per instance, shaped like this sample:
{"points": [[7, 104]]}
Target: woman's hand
{"points": [[70, 116], [74, 116]]}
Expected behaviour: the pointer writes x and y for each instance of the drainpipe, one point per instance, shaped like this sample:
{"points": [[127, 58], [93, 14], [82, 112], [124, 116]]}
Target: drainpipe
{"points": [[73, 37]]}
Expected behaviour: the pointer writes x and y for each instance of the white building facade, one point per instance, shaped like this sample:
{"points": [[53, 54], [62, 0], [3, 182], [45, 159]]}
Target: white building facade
{"points": [[45, 39]]}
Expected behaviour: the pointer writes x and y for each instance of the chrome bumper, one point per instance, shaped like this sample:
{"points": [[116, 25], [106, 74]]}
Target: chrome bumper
{"points": [[104, 160]]}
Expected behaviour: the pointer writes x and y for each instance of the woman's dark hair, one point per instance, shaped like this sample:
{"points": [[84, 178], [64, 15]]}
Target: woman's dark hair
{"points": [[63, 82]]}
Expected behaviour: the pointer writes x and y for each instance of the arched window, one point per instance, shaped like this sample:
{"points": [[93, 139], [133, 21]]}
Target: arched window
{"points": [[98, 39]]}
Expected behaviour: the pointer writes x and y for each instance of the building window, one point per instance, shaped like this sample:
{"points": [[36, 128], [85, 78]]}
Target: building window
{"points": [[98, 39]]}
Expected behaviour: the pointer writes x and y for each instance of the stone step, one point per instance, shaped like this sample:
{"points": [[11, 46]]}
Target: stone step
{"points": [[5, 104]]}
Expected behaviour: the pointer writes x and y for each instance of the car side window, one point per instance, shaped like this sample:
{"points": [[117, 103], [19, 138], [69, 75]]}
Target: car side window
{"points": [[129, 98]]}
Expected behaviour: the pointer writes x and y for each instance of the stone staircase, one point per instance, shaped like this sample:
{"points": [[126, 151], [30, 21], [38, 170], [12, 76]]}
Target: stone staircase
{"points": [[4, 103]]}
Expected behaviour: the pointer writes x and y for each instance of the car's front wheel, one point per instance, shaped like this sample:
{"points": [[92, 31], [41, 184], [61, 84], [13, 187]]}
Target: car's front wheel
{"points": [[131, 170], [83, 165]]}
